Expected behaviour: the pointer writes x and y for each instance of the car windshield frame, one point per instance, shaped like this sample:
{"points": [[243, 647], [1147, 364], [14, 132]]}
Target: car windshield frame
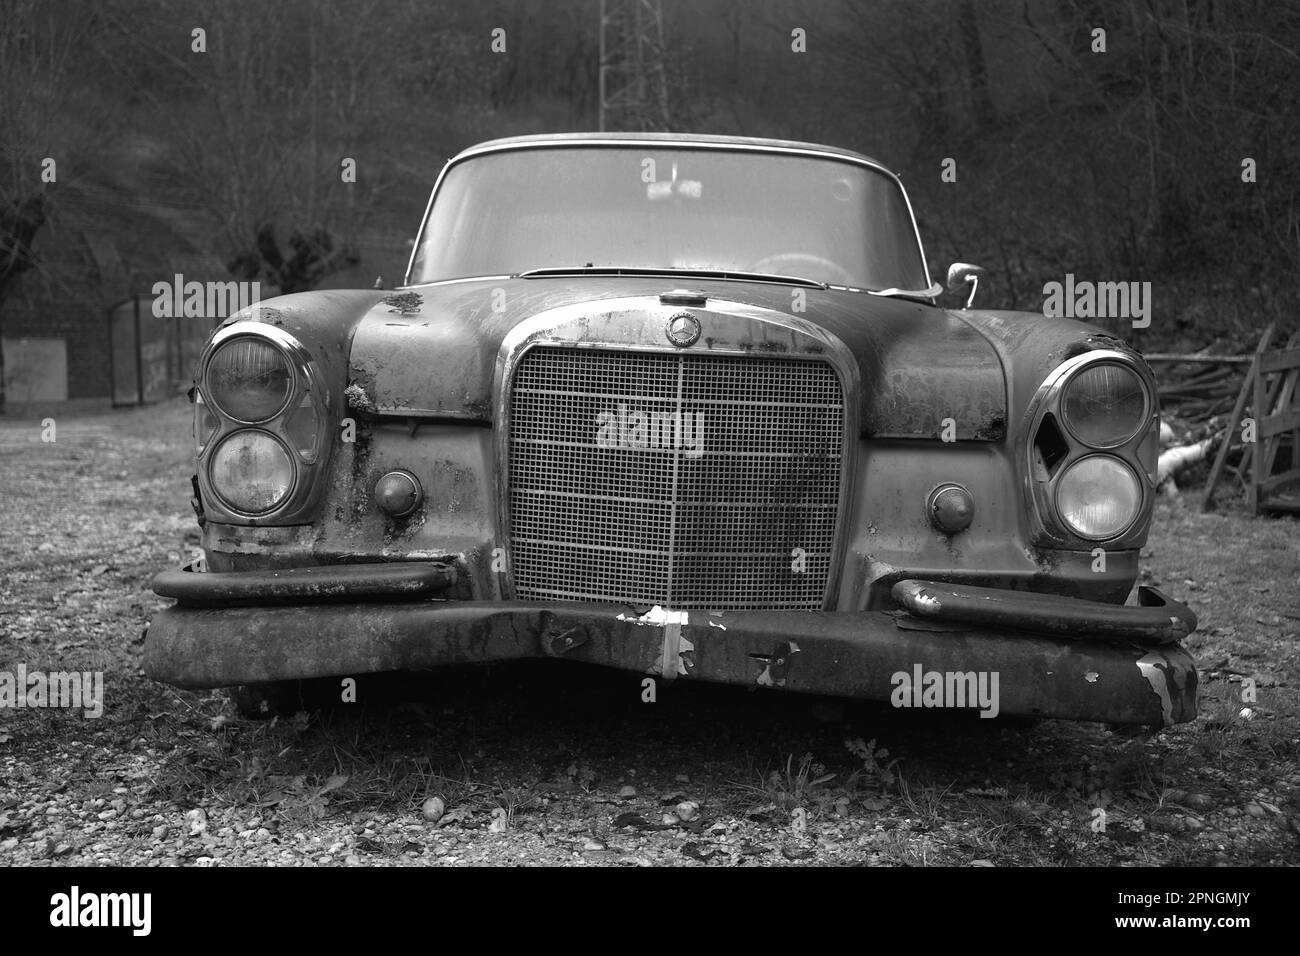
{"points": [[901, 231]]}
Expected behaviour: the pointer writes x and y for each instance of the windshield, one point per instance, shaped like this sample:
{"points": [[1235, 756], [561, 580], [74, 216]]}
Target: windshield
{"points": [[713, 210]]}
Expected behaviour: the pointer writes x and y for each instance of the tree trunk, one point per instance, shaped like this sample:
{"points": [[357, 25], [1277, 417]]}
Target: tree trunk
{"points": [[976, 71]]}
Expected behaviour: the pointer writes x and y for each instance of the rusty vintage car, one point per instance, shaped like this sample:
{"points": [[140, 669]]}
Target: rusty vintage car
{"points": [[685, 406]]}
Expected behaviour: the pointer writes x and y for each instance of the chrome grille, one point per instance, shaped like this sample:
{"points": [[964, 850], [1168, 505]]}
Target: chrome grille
{"points": [[610, 501]]}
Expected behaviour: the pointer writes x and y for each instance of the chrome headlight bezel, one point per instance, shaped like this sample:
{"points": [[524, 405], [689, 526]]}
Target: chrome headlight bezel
{"points": [[306, 446], [1051, 447]]}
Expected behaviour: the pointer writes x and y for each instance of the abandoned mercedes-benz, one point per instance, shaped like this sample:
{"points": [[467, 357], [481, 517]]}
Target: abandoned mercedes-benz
{"points": [[686, 406]]}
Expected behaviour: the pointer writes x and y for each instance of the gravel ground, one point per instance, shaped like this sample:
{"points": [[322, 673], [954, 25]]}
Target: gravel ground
{"points": [[543, 763]]}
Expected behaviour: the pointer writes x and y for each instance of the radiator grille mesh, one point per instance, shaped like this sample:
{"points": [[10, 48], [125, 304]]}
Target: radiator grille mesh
{"points": [[691, 481]]}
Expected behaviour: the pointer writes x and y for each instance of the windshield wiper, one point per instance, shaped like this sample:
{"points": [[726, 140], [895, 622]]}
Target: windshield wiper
{"points": [[701, 273]]}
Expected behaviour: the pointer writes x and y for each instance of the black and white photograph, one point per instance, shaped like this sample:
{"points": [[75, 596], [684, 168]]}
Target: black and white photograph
{"points": [[786, 434]]}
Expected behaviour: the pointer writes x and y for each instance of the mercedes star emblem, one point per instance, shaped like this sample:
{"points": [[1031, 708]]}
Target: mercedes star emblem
{"points": [[683, 329]]}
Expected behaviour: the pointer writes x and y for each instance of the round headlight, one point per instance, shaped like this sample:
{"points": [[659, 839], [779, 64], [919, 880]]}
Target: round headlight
{"points": [[249, 379], [1104, 405], [251, 471], [1098, 497]]}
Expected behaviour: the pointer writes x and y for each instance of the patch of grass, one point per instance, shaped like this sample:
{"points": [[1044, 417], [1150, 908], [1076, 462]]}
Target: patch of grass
{"points": [[798, 785], [925, 804]]}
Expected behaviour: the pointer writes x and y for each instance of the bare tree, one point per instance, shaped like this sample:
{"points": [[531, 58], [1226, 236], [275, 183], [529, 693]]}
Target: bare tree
{"points": [[277, 104], [40, 70]]}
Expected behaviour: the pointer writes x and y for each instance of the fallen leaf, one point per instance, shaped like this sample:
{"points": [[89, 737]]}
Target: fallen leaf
{"points": [[455, 815], [635, 821], [289, 783], [699, 851], [334, 782]]}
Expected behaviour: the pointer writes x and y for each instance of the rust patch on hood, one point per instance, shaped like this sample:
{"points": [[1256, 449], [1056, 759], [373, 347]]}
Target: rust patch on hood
{"points": [[405, 303]]}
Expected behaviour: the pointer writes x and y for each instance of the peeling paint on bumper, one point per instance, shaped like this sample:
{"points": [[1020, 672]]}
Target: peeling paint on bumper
{"points": [[847, 654]]}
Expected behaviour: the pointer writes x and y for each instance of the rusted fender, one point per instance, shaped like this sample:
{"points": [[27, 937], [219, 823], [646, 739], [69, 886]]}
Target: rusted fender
{"points": [[352, 582], [846, 654], [1158, 619]]}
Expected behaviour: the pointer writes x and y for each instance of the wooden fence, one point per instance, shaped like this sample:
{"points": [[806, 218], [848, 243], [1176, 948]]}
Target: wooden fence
{"points": [[1277, 421]]}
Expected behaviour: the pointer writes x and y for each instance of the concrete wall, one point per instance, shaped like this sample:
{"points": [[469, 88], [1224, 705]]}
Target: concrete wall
{"points": [[36, 370]]}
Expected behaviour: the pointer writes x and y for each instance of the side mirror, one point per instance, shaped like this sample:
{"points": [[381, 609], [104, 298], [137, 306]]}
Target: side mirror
{"points": [[963, 273]]}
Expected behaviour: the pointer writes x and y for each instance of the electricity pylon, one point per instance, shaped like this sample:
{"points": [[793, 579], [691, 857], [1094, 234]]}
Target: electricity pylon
{"points": [[633, 85]]}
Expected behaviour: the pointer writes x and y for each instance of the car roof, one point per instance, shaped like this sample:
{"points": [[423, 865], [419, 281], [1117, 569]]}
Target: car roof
{"points": [[755, 143]]}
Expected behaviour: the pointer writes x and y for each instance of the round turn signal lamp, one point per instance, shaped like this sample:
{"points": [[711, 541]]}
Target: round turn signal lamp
{"points": [[951, 508], [398, 493]]}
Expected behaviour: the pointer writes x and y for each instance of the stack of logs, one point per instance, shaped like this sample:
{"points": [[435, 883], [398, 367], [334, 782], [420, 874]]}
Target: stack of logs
{"points": [[1197, 392], [1200, 416]]}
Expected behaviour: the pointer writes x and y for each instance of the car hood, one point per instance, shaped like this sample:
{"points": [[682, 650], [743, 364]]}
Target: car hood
{"points": [[432, 350]]}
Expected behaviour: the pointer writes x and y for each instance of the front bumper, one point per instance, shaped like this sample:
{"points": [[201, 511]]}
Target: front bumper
{"points": [[1131, 677]]}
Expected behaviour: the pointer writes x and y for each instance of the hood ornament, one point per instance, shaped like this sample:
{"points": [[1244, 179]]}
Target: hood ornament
{"points": [[683, 329]]}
